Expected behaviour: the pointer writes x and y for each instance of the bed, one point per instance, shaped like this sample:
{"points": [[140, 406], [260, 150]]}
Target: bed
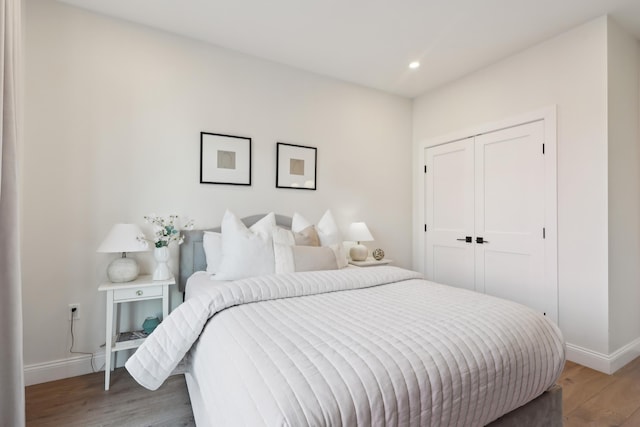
{"points": [[356, 346]]}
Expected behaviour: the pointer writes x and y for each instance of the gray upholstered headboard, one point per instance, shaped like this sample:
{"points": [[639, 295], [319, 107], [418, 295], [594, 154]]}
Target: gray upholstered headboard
{"points": [[192, 257]]}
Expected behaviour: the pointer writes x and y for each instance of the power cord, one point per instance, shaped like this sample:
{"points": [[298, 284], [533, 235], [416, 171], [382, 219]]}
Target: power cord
{"points": [[73, 310]]}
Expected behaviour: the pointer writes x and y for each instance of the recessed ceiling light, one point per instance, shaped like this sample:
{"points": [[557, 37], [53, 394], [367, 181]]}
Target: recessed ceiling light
{"points": [[414, 65]]}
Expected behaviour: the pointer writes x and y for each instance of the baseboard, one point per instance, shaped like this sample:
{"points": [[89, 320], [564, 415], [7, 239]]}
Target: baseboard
{"points": [[607, 363], [63, 368], [589, 358], [625, 354]]}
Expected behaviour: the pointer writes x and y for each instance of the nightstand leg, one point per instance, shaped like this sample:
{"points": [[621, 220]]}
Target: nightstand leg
{"points": [[108, 341], [165, 301]]}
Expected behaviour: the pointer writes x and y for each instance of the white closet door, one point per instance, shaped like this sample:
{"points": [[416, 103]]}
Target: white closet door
{"points": [[509, 215], [450, 214]]}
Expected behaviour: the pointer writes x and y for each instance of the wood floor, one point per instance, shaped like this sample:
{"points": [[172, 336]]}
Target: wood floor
{"points": [[590, 398], [82, 401]]}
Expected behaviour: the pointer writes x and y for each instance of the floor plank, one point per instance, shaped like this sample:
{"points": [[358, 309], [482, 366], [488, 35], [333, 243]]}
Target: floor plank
{"points": [[633, 420], [631, 370], [613, 405], [579, 384]]}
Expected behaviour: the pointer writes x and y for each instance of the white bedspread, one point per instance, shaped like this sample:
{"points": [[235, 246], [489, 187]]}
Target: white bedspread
{"points": [[371, 346]]}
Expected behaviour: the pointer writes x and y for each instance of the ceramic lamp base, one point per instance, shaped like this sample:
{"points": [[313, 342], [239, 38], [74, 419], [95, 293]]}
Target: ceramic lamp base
{"points": [[358, 252], [123, 270]]}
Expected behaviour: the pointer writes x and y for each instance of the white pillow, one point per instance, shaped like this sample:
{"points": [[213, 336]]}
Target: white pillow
{"points": [[283, 236], [246, 252], [298, 222], [212, 244], [283, 257], [327, 228], [341, 255]]}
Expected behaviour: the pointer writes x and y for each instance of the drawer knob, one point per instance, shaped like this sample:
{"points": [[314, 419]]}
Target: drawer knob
{"points": [[139, 293]]}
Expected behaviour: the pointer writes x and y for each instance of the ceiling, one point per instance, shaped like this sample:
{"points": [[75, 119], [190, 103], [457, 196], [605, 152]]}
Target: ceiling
{"points": [[371, 42]]}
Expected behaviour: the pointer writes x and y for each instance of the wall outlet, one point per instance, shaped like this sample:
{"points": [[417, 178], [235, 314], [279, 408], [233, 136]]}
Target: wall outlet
{"points": [[74, 311]]}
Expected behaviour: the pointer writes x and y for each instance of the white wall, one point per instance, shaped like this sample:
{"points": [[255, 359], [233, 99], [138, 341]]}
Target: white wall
{"points": [[113, 113], [568, 71], [624, 187]]}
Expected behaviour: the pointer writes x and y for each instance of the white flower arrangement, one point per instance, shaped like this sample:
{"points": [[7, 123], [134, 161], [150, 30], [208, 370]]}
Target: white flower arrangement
{"points": [[165, 230]]}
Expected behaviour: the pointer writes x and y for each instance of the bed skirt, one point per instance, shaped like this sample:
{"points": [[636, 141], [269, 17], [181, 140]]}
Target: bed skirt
{"points": [[543, 411]]}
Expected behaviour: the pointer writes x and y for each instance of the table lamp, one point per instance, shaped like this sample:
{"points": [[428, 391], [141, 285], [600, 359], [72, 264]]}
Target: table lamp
{"points": [[123, 238], [358, 232]]}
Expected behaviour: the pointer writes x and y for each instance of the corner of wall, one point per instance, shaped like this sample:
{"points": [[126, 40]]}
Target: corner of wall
{"points": [[623, 171]]}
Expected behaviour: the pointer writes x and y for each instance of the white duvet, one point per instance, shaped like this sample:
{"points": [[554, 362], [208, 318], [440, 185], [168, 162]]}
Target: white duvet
{"points": [[371, 346]]}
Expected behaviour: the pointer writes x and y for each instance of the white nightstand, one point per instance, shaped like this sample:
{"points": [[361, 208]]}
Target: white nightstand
{"points": [[141, 289], [370, 262]]}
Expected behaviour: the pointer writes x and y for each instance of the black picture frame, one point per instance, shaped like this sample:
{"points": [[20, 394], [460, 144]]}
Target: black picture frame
{"points": [[296, 166], [225, 159]]}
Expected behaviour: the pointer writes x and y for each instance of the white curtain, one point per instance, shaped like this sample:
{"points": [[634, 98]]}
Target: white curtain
{"points": [[12, 407]]}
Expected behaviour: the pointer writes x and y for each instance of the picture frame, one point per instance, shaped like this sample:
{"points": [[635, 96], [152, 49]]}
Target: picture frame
{"points": [[225, 159], [296, 166]]}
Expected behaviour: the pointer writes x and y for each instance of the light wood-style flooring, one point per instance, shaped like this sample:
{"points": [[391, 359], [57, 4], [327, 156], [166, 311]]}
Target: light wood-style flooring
{"points": [[590, 398]]}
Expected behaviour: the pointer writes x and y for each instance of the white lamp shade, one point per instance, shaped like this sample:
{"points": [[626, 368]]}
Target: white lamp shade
{"points": [[359, 232], [123, 238]]}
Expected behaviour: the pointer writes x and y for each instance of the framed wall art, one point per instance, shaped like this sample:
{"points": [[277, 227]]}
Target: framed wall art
{"points": [[296, 166], [225, 159]]}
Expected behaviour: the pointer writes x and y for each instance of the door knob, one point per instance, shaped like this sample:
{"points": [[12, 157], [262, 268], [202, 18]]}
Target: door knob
{"points": [[466, 239], [481, 240]]}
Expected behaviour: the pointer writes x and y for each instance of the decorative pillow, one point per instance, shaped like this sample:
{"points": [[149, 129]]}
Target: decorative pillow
{"points": [[212, 244], [246, 252], [306, 237], [327, 229], [290, 259]]}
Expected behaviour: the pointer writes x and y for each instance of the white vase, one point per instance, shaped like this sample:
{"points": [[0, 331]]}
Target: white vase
{"points": [[162, 271]]}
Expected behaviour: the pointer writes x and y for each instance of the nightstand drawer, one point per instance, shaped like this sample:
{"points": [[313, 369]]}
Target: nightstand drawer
{"points": [[134, 293]]}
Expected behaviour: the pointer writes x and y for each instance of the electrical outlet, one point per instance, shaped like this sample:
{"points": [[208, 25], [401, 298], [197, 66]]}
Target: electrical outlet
{"points": [[74, 311]]}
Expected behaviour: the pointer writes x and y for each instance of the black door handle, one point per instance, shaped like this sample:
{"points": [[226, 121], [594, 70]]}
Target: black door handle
{"points": [[481, 240], [466, 239]]}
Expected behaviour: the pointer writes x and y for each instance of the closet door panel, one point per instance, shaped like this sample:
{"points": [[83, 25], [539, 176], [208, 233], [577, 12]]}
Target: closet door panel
{"points": [[449, 206], [509, 191]]}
